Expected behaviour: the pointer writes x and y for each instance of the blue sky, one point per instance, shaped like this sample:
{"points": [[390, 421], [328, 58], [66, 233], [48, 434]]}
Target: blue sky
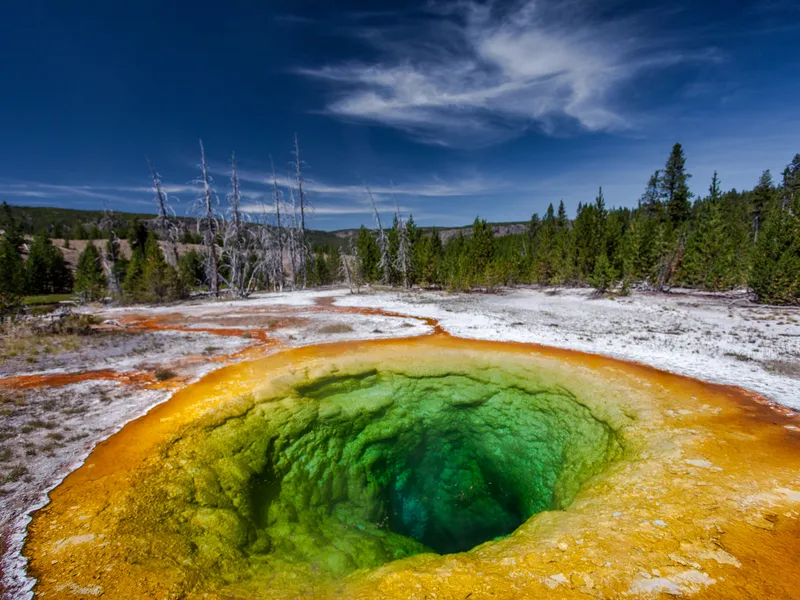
{"points": [[451, 109]]}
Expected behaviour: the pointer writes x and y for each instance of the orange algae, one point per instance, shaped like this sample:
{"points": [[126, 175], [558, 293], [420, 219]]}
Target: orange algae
{"points": [[61, 379], [705, 503]]}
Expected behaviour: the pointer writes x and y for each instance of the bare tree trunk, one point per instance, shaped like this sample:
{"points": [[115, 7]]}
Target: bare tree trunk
{"points": [[301, 193], [354, 270], [264, 251], [383, 242], [207, 224], [755, 230], [345, 269], [111, 255], [402, 249], [165, 222], [277, 193], [237, 243], [293, 240]]}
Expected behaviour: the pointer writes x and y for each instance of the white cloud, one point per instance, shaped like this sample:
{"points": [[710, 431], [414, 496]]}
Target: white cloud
{"points": [[334, 209], [58, 191], [121, 193], [433, 187], [480, 74]]}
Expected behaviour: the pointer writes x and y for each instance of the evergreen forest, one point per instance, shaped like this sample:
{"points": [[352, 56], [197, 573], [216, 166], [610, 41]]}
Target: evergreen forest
{"points": [[719, 241]]}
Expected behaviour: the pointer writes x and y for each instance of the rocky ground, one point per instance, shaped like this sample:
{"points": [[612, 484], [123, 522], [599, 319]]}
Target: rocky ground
{"points": [[60, 394]]}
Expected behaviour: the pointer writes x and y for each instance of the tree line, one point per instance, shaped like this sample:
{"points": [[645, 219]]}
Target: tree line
{"points": [[720, 241]]}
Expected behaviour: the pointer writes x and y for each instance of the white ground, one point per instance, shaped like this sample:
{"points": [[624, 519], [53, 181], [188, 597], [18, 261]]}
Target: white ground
{"points": [[713, 338]]}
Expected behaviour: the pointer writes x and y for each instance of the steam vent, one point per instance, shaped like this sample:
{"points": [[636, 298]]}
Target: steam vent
{"points": [[433, 468]]}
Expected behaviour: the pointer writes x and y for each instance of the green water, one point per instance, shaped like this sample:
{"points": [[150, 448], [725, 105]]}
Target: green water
{"points": [[355, 471]]}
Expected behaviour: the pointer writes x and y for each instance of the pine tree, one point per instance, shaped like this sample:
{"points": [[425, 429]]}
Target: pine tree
{"points": [[630, 252], [615, 226], [482, 251], [160, 282], [563, 252], [12, 269], [775, 276], [589, 231], [651, 200], [763, 197], [674, 187], [132, 284], [415, 250], [320, 275], [604, 277], [192, 269], [455, 264], [46, 269], [545, 267], [334, 264], [137, 236], [78, 231], [791, 183], [735, 209], [369, 256], [432, 258], [586, 251], [90, 282]]}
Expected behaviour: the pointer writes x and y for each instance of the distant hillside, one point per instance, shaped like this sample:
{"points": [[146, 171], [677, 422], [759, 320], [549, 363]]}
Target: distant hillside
{"points": [[499, 229], [60, 221], [85, 224], [78, 224]]}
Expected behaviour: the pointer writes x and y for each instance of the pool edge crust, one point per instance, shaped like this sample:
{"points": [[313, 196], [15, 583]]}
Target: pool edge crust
{"points": [[639, 412]]}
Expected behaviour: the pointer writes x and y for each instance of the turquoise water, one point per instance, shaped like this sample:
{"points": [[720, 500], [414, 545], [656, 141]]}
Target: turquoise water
{"points": [[353, 472]]}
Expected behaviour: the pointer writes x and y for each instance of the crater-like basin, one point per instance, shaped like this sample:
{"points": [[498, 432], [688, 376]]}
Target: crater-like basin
{"points": [[431, 466]]}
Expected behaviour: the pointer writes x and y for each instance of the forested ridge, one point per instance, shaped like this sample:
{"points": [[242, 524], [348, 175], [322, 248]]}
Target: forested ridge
{"points": [[719, 241]]}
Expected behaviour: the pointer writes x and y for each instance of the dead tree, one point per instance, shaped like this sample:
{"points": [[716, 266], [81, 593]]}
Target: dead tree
{"points": [[271, 263], [238, 244], [276, 190], [110, 257], [165, 226], [262, 250], [402, 263], [293, 241], [345, 270], [301, 242], [206, 206], [349, 270], [383, 242]]}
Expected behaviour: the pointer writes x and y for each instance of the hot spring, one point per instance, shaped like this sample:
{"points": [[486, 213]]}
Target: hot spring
{"points": [[374, 469], [354, 471]]}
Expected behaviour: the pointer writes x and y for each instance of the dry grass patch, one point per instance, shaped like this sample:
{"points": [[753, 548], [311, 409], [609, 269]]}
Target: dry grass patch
{"points": [[165, 374], [336, 328], [787, 368]]}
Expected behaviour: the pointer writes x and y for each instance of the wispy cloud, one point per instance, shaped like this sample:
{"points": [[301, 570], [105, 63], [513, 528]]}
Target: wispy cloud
{"points": [[429, 187], [333, 199], [60, 192], [328, 200], [478, 73], [94, 196]]}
